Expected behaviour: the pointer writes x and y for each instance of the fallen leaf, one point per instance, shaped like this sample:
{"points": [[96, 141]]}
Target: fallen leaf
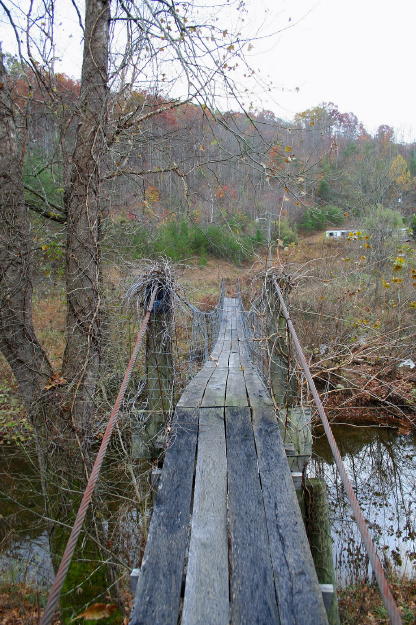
{"points": [[55, 380], [97, 611]]}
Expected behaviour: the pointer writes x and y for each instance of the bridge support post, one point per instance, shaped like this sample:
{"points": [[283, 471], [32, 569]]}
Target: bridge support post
{"points": [[281, 382], [159, 378], [159, 368], [295, 427], [318, 529]]}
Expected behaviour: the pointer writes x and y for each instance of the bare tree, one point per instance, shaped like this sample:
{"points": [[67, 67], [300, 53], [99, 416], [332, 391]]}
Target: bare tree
{"points": [[18, 342], [83, 207], [158, 45]]}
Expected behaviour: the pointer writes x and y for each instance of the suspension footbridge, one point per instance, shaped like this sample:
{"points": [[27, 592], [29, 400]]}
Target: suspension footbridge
{"points": [[227, 543]]}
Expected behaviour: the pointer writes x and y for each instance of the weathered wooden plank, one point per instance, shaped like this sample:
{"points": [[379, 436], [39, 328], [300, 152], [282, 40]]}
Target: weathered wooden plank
{"points": [[236, 394], [240, 329], [234, 360], [320, 540], [258, 394], [253, 598], [210, 363], [206, 599], [223, 357], [215, 391], [157, 598], [193, 393], [217, 349], [299, 596]]}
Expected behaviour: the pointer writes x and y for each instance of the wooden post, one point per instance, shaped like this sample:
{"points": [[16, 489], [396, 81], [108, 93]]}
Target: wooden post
{"points": [[295, 428], [282, 384], [159, 371], [318, 529]]}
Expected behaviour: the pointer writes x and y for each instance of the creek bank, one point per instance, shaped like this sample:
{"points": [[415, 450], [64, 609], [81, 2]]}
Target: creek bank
{"points": [[370, 393]]}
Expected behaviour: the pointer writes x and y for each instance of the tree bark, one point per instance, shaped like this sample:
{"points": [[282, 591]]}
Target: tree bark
{"points": [[18, 342], [83, 206]]}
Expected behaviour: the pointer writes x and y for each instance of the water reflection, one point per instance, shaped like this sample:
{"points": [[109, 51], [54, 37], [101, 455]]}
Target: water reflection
{"points": [[28, 561], [382, 468], [381, 465], [31, 544]]}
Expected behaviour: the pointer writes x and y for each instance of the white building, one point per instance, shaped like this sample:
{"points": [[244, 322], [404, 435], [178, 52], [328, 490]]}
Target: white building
{"points": [[402, 234], [337, 234]]}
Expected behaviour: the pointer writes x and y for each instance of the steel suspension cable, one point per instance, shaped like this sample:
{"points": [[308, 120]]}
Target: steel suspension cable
{"points": [[383, 584], [56, 587]]}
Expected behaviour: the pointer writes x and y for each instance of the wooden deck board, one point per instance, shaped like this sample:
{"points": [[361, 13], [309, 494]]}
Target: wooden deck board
{"points": [[160, 580], [299, 597], [194, 392], [217, 349], [234, 360], [224, 356], [253, 598], [257, 392], [236, 394], [215, 392], [206, 592]]}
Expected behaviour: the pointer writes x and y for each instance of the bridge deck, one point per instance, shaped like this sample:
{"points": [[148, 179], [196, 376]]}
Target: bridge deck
{"points": [[227, 542]]}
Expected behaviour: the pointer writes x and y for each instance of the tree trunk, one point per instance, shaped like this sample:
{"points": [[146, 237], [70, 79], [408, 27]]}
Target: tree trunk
{"points": [[18, 342], [83, 204]]}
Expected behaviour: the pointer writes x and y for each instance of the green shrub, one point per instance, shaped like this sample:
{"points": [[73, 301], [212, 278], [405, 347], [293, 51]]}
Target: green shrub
{"points": [[173, 240], [316, 219], [323, 191], [179, 240], [334, 215], [282, 230]]}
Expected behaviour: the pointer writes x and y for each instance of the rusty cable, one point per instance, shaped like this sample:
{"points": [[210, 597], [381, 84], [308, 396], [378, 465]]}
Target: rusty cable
{"points": [[56, 587], [383, 584]]}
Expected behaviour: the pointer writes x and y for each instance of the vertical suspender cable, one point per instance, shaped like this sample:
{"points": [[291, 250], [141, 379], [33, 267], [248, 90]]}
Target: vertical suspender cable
{"points": [[383, 584], [56, 587]]}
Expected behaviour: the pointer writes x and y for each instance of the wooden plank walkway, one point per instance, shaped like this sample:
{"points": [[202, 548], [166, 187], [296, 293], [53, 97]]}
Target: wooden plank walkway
{"points": [[227, 544]]}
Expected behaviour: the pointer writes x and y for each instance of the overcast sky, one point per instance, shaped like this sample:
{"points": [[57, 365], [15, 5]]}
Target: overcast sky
{"points": [[359, 54]]}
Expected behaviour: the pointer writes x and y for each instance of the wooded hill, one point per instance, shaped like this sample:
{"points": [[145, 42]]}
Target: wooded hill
{"points": [[178, 160]]}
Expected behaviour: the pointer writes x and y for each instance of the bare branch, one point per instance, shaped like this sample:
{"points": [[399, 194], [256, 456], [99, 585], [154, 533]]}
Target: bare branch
{"points": [[58, 217], [13, 25], [60, 209], [74, 4]]}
